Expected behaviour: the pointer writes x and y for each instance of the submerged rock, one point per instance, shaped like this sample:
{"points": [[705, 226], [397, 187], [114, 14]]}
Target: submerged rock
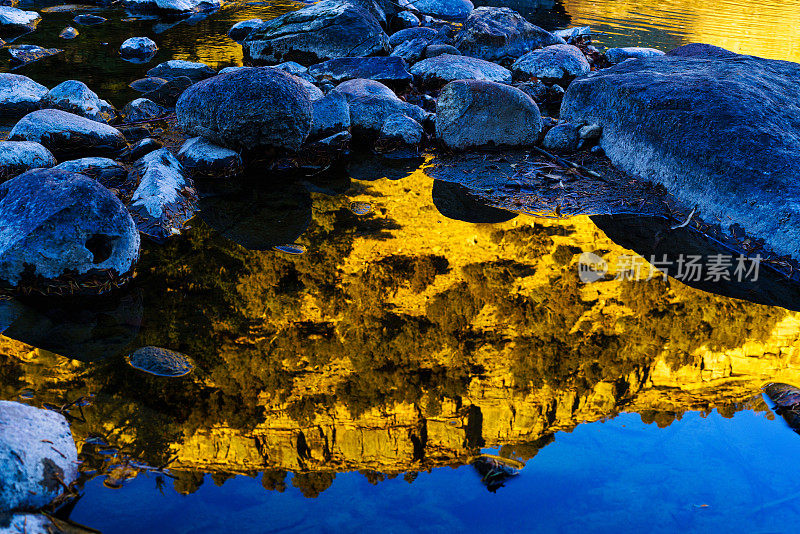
{"points": [[142, 48], [382, 69], [165, 199], [75, 97], [17, 157], [242, 29], [14, 22], [108, 172], [440, 70], [326, 30], [24, 54], [88, 20], [472, 113], [556, 63], [68, 33], [246, 109], [19, 95], [63, 232], [495, 471], [618, 55], [201, 158], [500, 34], [141, 109], [37, 456], [708, 130], [69, 136], [144, 85], [188, 6], [443, 9], [160, 362], [176, 68]]}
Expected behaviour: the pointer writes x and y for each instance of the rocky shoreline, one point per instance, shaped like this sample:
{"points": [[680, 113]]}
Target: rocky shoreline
{"points": [[338, 78]]}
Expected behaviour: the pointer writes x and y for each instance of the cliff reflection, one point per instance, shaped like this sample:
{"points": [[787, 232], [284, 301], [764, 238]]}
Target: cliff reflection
{"points": [[400, 341]]}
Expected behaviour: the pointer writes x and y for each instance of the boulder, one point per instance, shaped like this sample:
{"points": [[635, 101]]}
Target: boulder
{"points": [[722, 132], [330, 115], [242, 29], [405, 19], [143, 147], [144, 85], [142, 48], [176, 68], [382, 69], [203, 159], [37, 456], [108, 172], [400, 135], [551, 64], [501, 35], [443, 9], [68, 33], [14, 22], [75, 97], [398, 38], [187, 6], [141, 109], [433, 50], [19, 95], [411, 51], [371, 103], [618, 55], [165, 199], [474, 113], [59, 229], [440, 70], [246, 109], [326, 30], [313, 92], [571, 34], [17, 157], [563, 137], [69, 136], [168, 93]]}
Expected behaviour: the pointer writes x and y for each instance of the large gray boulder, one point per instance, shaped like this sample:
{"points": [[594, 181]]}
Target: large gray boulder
{"points": [[165, 198], [437, 71], [409, 34], [246, 109], [17, 157], [371, 103], [108, 172], [69, 136], [331, 116], [719, 130], [19, 95], [382, 69], [14, 22], [553, 63], [501, 35], [326, 30], [53, 223], [473, 113], [37, 456], [75, 97], [139, 48], [442, 9]]}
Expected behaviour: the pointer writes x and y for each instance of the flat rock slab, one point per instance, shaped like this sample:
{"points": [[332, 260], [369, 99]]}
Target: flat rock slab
{"points": [[37, 456], [383, 69], [69, 136], [21, 55], [720, 130]]}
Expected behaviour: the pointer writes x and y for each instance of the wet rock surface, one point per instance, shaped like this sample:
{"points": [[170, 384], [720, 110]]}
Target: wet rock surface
{"points": [[63, 232], [17, 157], [69, 136], [705, 128], [472, 113], [317, 33], [247, 108], [37, 456]]}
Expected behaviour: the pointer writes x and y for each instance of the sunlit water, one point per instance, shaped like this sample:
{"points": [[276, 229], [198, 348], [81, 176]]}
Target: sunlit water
{"points": [[344, 377]]}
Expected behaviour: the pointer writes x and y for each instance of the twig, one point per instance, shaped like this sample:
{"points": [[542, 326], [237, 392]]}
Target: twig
{"points": [[568, 163], [687, 221]]}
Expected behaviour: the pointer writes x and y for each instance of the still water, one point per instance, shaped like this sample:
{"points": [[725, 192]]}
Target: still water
{"points": [[353, 386]]}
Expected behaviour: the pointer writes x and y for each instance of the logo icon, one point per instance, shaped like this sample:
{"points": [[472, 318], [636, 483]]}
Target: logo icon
{"points": [[591, 267]]}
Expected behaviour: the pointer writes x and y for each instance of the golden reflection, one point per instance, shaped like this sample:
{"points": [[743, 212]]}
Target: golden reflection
{"points": [[402, 340], [769, 29]]}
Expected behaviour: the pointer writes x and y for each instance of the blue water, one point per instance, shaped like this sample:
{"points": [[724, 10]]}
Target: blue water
{"points": [[699, 474]]}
